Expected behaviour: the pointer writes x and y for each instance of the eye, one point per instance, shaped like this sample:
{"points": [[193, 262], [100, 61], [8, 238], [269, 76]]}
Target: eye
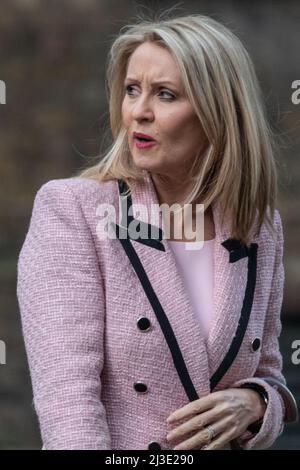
{"points": [[127, 89], [171, 96]]}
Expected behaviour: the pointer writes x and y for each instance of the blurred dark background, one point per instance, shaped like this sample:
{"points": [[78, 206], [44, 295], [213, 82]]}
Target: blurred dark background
{"points": [[52, 60]]}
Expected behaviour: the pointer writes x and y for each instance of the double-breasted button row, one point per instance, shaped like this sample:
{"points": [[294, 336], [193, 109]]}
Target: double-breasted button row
{"points": [[144, 325], [140, 387]]}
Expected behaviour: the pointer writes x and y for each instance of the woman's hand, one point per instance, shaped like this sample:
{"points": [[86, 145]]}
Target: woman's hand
{"points": [[229, 412]]}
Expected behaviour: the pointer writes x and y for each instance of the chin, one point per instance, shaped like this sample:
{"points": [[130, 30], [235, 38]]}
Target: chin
{"points": [[146, 163]]}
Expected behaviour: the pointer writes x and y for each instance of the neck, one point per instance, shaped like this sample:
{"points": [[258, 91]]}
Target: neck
{"points": [[171, 189]]}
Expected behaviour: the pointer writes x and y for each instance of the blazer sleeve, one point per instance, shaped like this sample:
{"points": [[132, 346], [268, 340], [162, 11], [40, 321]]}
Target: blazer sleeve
{"points": [[61, 300], [270, 360]]}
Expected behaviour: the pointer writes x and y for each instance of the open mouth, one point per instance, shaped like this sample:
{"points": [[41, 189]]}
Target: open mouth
{"points": [[143, 143], [143, 139]]}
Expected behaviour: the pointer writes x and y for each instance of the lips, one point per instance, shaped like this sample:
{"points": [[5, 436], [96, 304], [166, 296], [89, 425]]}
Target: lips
{"points": [[144, 144], [141, 137]]}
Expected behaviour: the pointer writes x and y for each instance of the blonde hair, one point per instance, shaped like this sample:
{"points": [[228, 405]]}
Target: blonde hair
{"points": [[238, 168]]}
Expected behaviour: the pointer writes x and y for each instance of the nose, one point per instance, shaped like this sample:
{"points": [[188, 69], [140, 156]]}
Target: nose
{"points": [[142, 109]]}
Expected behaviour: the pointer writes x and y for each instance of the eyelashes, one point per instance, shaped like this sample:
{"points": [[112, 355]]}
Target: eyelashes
{"points": [[171, 96]]}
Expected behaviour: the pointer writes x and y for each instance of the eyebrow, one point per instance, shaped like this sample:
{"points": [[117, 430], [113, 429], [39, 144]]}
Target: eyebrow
{"points": [[157, 82]]}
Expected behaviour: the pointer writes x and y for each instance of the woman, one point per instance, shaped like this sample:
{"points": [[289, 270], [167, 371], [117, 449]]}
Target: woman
{"points": [[118, 338]]}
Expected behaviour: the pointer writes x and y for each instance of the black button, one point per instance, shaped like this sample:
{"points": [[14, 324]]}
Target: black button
{"points": [[140, 387], [255, 344], [144, 324], [154, 446]]}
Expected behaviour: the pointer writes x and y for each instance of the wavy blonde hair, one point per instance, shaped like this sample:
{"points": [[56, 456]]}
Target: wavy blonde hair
{"points": [[238, 167]]}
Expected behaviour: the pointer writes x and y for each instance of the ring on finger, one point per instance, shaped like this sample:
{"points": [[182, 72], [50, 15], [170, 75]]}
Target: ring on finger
{"points": [[212, 432]]}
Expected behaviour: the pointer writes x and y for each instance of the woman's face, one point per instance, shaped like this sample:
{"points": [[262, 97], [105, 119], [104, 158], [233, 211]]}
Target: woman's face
{"points": [[161, 110]]}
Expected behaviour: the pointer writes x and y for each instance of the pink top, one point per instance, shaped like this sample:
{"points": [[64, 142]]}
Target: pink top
{"points": [[196, 268]]}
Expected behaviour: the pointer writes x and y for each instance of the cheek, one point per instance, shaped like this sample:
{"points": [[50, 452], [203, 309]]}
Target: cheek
{"points": [[182, 127]]}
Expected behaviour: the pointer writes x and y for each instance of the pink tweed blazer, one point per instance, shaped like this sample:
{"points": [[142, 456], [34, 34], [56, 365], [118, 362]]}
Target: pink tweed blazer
{"points": [[112, 341]]}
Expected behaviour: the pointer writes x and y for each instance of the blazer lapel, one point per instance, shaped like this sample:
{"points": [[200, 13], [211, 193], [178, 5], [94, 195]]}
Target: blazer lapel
{"points": [[234, 285], [200, 364]]}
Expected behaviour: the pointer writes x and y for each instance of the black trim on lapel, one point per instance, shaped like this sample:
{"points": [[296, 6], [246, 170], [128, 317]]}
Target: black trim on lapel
{"points": [[236, 251], [123, 233], [153, 234]]}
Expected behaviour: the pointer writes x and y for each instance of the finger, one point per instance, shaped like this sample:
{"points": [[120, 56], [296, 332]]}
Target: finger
{"points": [[194, 424], [221, 441], [193, 408], [204, 436]]}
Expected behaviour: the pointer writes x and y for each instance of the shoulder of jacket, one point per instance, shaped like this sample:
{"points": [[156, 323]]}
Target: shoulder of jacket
{"points": [[83, 189], [277, 224]]}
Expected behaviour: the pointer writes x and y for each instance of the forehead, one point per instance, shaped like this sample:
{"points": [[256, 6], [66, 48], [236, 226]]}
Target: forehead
{"points": [[154, 62]]}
